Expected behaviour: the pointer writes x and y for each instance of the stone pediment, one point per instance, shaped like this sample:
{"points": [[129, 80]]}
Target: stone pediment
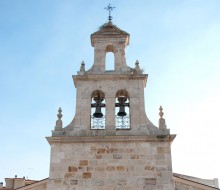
{"points": [[110, 33], [109, 29]]}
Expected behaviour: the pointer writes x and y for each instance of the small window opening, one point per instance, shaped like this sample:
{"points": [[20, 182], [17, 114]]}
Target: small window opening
{"points": [[109, 61]]}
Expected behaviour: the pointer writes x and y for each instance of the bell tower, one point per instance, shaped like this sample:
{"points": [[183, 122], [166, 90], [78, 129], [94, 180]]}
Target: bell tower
{"points": [[110, 143], [109, 39]]}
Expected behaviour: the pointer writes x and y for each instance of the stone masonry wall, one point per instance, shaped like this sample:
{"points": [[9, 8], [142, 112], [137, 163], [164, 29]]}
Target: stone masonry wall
{"points": [[111, 166], [109, 86]]}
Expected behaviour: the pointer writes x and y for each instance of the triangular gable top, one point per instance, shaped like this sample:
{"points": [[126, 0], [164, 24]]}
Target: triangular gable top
{"points": [[110, 28]]}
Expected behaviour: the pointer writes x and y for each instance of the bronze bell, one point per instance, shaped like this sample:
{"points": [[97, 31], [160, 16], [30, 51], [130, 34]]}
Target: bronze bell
{"points": [[122, 101], [98, 113]]}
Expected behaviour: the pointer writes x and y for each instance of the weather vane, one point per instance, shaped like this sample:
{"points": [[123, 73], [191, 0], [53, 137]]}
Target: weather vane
{"points": [[109, 8]]}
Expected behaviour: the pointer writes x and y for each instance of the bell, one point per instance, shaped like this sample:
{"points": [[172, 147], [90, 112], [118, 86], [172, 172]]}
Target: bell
{"points": [[122, 101], [122, 112], [98, 105], [98, 113]]}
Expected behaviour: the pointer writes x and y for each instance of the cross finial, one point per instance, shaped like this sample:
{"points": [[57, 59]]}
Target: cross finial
{"points": [[109, 8]]}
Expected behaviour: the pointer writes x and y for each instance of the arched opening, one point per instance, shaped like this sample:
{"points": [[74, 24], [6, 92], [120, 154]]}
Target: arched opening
{"points": [[97, 110], [109, 58], [122, 111]]}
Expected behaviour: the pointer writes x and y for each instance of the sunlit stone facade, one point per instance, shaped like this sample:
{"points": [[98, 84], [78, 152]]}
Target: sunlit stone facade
{"points": [[133, 154]]}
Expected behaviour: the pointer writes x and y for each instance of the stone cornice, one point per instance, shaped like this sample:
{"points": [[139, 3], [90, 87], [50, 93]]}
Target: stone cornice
{"points": [[102, 139], [101, 77]]}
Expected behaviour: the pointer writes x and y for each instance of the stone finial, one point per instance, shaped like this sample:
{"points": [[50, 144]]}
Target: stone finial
{"points": [[82, 69], [137, 69], [162, 122], [59, 122], [161, 112], [59, 115], [137, 65]]}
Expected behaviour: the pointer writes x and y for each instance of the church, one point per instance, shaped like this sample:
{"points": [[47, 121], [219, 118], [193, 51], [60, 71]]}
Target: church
{"points": [[111, 144]]}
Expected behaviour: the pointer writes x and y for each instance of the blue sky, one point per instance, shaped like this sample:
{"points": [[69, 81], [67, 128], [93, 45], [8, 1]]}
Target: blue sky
{"points": [[42, 44]]}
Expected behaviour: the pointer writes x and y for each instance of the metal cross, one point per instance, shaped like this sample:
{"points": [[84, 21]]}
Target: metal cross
{"points": [[109, 8]]}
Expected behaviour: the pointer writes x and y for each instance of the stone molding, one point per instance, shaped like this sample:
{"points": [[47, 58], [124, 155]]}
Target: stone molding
{"points": [[106, 76], [102, 139]]}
